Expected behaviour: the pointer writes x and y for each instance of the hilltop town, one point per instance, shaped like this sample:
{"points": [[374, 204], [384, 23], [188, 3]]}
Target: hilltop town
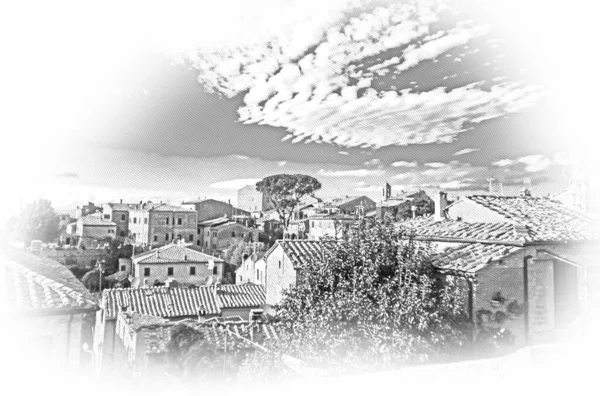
{"points": [[133, 277]]}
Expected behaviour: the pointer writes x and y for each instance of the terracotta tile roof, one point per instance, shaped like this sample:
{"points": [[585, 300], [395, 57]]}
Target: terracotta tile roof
{"points": [[121, 206], [545, 218], [31, 292], [300, 252], [454, 229], [246, 295], [471, 257], [346, 200], [157, 337], [171, 208], [174, 253], [215, 221], [92, 220], [172, 302]]}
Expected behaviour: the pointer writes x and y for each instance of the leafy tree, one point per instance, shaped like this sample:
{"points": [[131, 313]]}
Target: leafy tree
{"points": [[92, 283], [372, 301], [37, 221], [285, 192]]}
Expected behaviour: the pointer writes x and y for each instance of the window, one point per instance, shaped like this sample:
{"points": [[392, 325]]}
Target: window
{"points": [[106, 216], [178, 236], [205, 243], [134, 236], [135, 220], [146, 271], [233, 234], [170, 271], [257, 275], [122, 217], [215, 270], [214, 245], [279, 264], [198, 242], [192, 270], [167, 221], [122, 233], [155, 238], [312, 224], [166, 237], [179, 221], [123, 268], [191, 238], [145, 220]]}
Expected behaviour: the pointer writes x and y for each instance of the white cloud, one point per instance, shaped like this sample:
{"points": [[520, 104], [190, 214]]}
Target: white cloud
{"points": [[343, 152], [533, 163], [404, 164], [354, 172], [234, 184], [436, 165], [282, 163], [240, 157], [504, 162], [374, 161], [465, 151], [300, 94]]}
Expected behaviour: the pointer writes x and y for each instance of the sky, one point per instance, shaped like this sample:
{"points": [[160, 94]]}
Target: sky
{"points": [[180, 100]]}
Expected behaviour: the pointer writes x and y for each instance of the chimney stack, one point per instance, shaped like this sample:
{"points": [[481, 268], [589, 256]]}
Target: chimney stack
{"points": [[121, 200], [441, 202]]}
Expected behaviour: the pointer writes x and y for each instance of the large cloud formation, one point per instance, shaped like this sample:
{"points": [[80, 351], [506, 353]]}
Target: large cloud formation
{"points": [[309, 83]]}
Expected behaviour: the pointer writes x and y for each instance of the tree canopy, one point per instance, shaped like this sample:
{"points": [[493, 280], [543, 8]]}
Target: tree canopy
{"points": [[372, 301], [37, 221], [285, 192]]}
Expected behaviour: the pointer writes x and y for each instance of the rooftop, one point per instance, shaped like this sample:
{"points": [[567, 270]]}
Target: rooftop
{"points": [[461, 230], [471, 257], [302, 251], [174, 253], [213, 222], [173, 302], [545, 218], [94, 220], [38, 286]]}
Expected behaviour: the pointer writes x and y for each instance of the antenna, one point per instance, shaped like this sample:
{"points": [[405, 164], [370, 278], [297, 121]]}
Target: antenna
{"points": [[490, 180]]}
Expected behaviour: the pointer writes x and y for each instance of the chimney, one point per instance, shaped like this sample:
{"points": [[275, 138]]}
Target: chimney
{"points": [[121, 200], [441, 202], [202, 314]]}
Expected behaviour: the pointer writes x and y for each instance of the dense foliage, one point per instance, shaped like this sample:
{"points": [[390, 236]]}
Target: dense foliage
{"points": [[372, 301], [37, 221], [285, 192]]}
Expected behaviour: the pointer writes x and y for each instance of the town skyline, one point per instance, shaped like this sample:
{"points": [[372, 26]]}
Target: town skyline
{"points": [[156, 116]]}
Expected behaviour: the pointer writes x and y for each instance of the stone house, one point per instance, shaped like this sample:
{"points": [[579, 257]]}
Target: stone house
{"points": [[211, 208], [92, 231], [175, 262], [171, 303], [333, 225], [49, 306], [392, 205], [525, 261], [252, 270], [118, 213], [215, 235], [354, 205], [157, 224]]}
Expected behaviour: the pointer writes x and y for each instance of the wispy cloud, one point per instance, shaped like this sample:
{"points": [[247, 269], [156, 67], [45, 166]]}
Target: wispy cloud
{"points": [[352, 173], [465, 151], [404, 164], [532, 163], [436, 165], [314, 97], [339, 152], [373, 162], [282, 163]]}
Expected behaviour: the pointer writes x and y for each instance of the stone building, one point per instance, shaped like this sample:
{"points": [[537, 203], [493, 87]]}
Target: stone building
{"points": [[215, 235], [354, 205], [175, 263], [211, 208], [157, 224], [118, 213], [169, 303], [92, 231], [525, 261]]}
